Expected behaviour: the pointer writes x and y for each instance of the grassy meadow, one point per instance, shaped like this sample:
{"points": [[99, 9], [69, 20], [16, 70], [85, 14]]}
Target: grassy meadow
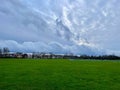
{"points": [[38, 74]]}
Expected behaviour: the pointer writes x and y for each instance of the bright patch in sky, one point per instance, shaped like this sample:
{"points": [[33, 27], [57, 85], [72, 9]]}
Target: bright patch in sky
{"points": [[61, 26]]}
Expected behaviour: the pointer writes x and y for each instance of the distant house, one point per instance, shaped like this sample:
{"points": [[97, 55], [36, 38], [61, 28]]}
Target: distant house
{"points": [[18, 55]]}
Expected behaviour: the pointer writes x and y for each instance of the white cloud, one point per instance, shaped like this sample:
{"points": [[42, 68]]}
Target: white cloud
{"points": [[54, 47]]}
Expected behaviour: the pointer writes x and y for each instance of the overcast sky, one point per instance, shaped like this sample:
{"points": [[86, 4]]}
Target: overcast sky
{"points": [[61, 26]]}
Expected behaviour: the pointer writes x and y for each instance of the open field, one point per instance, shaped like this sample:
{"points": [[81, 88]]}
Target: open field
{"points": [[49, 74]]}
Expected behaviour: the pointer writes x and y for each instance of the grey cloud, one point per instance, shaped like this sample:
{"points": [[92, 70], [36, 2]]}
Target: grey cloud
{"points": [[60, 26]]}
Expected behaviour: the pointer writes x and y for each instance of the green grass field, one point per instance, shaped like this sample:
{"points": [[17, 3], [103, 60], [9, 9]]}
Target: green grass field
{"points": [[49, 74]]}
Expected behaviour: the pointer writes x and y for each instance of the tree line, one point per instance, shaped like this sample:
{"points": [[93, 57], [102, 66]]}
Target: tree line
{"points": [[5, 53]]}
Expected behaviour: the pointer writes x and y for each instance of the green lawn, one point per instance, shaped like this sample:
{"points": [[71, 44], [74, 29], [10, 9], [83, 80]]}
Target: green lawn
{"points": [[49, 74]]}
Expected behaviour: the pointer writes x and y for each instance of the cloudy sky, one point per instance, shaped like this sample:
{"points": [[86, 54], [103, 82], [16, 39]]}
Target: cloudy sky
{"points": [[61, 26]]}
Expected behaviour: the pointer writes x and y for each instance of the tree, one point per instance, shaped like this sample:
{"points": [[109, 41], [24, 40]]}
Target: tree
{"points": [[24, 56], [6, 50], [0, 51]]}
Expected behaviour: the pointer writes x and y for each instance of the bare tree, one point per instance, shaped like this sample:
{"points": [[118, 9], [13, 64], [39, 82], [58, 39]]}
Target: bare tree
{"points": [[0, 51], [6, 50]]}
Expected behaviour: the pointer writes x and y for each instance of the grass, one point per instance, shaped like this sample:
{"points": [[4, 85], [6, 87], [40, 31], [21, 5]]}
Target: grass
{"points": [[27, 74]]}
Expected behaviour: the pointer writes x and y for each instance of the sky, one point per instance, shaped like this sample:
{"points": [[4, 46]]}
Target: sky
{"points": [[89, 27]]}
